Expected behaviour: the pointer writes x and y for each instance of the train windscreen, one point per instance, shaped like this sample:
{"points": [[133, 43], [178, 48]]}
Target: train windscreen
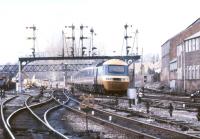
{"points": [[117, 70]]}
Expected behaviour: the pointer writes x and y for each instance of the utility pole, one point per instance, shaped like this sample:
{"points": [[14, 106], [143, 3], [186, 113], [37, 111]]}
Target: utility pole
{"points": [[72, 38], [33, 38], [126, 37], [91, 42], [82, 38]]}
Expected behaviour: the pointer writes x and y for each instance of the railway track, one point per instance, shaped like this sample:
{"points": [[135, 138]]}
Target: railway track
{"points": [[121, 104], [110, 103], [8, 106], [157, 97], [55, 120], [151, 93], [28, 121], [138, 128]]}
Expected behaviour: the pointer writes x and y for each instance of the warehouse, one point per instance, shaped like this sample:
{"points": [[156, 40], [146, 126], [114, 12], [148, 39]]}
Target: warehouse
{"points": [[179, 53]]}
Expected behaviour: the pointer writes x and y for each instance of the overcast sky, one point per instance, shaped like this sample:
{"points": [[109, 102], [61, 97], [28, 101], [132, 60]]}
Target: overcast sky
{"points": [[156, 21]]}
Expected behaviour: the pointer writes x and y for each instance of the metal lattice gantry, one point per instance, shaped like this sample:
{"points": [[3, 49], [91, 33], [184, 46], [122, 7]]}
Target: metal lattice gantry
{"points": [[9, 68], [43, 68], [126, 58], [129, 59]]}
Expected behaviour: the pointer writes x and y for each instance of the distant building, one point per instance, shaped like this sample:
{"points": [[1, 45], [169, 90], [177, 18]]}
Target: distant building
{"points": [[182, 52], [147, 72]]}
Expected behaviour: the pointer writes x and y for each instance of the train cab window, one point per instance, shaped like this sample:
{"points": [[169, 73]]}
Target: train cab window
{"points": [[117, 70]]}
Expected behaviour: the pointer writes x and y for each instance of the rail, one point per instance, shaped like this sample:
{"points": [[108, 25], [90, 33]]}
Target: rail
{"points": [[13, 113], [46, 121], [148, 125], [3, 119], [51, 109], [113, 125]]}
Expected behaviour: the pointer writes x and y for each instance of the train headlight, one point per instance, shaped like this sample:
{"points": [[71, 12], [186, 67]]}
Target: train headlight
{"points": [[125, 79], [109, 79]]}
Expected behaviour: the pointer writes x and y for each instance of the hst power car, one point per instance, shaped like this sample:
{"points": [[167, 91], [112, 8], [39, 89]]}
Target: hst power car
{"points": [[108, 78]]}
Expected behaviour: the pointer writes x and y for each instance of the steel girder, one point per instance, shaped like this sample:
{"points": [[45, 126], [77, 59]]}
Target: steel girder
{"points": [[43, 68], [127, 58], [59, 67]]}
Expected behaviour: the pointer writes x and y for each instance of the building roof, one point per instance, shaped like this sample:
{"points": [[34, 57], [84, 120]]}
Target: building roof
{"points": [[195, 22], [193, 36]]}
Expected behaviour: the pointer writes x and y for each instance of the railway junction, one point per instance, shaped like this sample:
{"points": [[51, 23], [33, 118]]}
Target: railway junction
{"points": [[99, 69], [56, 110], [82, 96]]}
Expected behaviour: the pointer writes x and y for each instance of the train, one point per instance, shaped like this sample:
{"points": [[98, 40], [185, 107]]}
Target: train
{"points": [[106, 78]]}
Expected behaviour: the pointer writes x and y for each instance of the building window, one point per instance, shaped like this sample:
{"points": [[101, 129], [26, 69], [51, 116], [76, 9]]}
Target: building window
{"points": [[193, 72], [197, 43], [193, 45], [197, 72], [190, 72], [187, 72], [186, 46], [173, 66], [189, 46], [179, 62], [179, 50], [165, 48]]}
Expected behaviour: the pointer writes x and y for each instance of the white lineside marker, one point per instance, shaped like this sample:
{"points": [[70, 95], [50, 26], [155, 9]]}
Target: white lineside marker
{"points": [[183, 105], [92, 112], [79, 108], [110, 118]]}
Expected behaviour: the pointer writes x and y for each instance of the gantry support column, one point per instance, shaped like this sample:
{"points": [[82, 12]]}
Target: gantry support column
{"points": [[20, 78]]}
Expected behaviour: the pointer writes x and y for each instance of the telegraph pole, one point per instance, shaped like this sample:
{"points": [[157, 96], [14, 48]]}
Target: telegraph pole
{"points": [[82, 38], [126, 37], [72, 38], [91, 41], [33, 38]]}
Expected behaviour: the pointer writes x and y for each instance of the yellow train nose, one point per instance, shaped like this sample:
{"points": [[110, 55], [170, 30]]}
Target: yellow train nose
{"points": [[115, 86]]}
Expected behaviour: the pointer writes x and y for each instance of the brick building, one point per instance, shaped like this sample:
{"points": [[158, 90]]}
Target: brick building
{"points": [[182, 52]]}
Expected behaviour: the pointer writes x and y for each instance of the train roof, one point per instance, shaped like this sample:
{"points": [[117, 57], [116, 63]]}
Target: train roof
{"points": [[87, 68], [115, 62]]}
